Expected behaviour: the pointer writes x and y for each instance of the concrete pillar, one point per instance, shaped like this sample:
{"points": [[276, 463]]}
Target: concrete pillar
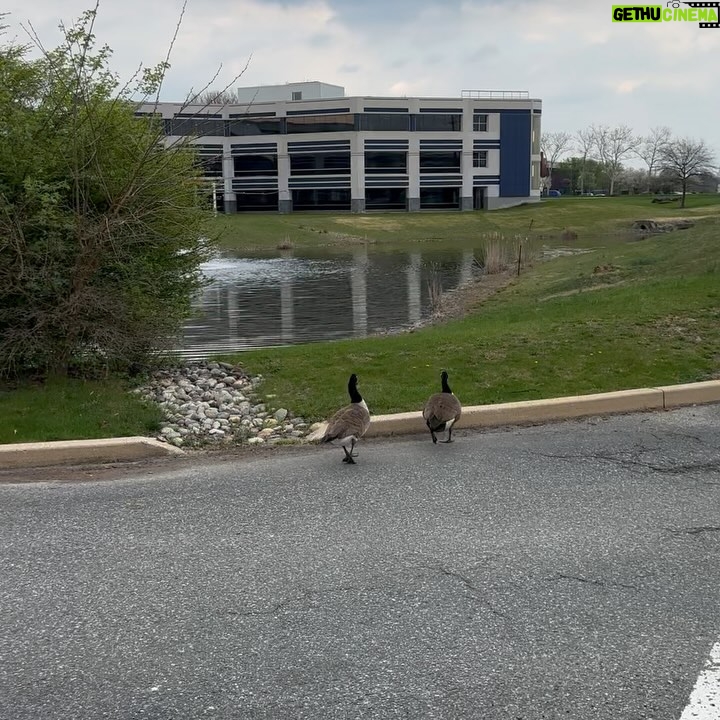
{"points": [[230, 203], [466, 167], [357, 174], [229, 197], [284, 193], [413, 196]]}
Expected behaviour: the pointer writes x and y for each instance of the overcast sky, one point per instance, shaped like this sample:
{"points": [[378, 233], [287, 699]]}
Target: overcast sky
{"points": [[585, 68]]}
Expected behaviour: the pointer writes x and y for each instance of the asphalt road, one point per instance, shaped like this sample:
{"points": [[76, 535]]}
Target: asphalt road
{"points": [[570, 570]]}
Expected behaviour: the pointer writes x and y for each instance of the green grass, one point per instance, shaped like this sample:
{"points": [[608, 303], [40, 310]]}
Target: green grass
{"points": [[627, 314], [70, 409], [599, 216]]}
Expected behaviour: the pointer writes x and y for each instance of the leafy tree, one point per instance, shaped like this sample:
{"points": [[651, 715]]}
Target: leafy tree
{"points": [[575, 174], [683, 159], [101, 225]]}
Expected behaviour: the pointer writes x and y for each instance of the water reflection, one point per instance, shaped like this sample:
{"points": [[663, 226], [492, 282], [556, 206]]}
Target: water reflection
{"points": [[263, 302]]}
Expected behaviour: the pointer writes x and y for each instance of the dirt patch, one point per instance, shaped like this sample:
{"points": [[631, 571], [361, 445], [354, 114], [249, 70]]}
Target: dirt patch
{"points": [[461, 301], [370, 221], [605, 269], [549, 253], [578, 291]]}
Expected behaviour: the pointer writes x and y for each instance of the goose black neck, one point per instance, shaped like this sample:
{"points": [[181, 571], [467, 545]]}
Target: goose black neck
{"points": [[355, 396], [445, 386]]}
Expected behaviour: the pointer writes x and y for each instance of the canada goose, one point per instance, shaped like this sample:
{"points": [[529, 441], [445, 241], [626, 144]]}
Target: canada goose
{"points": [[442, 410], [349, 423]]}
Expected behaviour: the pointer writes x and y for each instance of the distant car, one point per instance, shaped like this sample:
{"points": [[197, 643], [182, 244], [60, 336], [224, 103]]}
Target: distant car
{"points": [[554, 193]]}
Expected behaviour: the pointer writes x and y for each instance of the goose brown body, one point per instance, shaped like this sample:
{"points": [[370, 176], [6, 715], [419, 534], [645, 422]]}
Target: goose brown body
{"points": [[442, 411], [349, 423]]}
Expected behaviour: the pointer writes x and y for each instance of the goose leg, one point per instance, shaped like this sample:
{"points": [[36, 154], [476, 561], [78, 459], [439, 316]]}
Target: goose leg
{"points": [[348, 456], [352, 447], [434, 437], [449, 440]]}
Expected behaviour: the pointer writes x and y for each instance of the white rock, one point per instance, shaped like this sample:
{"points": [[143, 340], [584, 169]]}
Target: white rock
{"points": [[255, 441], [280, 414]]}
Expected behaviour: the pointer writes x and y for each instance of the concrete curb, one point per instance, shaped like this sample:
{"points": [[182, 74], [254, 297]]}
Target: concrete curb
{"points": [[536, 411], [78, 452]]}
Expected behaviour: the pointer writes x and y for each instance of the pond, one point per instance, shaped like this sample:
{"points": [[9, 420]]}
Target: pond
{"points": [[293, 297]]}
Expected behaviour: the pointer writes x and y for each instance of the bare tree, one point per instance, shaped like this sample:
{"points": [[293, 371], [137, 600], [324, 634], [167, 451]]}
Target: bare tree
{"points": [[612, 146], [553, 146], [633, 180], [684, 159], [585, 145], [649, 149], [217, 97]]}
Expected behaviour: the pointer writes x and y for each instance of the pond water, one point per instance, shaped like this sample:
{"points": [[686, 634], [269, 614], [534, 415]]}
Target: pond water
{"points": [[298, 298]]}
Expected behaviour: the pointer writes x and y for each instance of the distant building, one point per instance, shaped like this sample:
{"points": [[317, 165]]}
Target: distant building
{"points": [[306, 146]]}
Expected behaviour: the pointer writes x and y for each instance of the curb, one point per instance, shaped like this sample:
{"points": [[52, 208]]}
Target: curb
{"points": [[127, 449], [78, 452], [537, 411]]}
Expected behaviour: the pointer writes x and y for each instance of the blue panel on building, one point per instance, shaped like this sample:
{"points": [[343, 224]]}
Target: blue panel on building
{"points": [[515, 145]]}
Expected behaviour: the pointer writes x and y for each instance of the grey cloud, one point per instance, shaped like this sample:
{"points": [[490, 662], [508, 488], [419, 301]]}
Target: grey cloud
{"points": [[320, 40], [483, 53]]}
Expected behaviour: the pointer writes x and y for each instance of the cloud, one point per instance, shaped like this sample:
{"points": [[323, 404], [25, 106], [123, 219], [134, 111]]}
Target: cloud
{"points": [[585, 67], [628, 86]]}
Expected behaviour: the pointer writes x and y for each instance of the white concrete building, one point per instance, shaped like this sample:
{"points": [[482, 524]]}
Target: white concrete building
{"points": [[326, 151]]}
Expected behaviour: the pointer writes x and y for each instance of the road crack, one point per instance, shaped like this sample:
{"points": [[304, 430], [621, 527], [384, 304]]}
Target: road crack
{"points": [[590, 581], [681, 469], [696, 530]]}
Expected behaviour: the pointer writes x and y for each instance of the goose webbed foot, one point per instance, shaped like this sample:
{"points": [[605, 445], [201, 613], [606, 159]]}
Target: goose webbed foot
{"points": [[449, 437]]}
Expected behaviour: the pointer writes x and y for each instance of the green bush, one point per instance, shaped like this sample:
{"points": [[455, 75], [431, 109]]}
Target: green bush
{"points": [[101, 225]]}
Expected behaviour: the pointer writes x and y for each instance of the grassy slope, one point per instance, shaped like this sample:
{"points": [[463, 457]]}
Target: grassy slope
{"points": [[649, 315], [248, 232], [655, 319]]}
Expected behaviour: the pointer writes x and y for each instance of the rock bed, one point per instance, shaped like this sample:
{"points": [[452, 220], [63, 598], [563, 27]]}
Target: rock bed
{"points": [[213, 403]]}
